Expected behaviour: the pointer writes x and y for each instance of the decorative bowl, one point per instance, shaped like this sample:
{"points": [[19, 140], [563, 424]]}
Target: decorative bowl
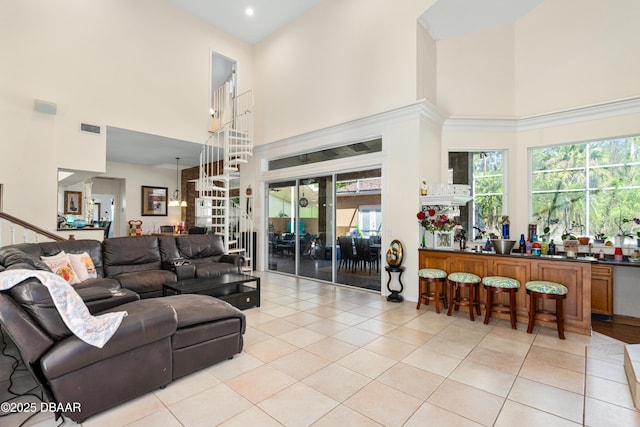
{"points": [[80, 223], [502, 246], [584, 240]]}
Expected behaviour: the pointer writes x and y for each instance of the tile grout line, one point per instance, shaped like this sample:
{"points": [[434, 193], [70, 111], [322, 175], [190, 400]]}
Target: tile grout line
{"points": [[584, 390]]}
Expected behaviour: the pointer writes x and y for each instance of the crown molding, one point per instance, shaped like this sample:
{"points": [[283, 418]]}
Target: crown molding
{"points": [[540, 121], [355, 130]]}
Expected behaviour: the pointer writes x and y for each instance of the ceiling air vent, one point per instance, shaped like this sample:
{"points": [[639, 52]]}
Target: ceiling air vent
{"points": [[95, 129]]}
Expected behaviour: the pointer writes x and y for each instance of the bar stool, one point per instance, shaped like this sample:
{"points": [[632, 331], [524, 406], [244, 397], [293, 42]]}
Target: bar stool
{"points": [[427, 276], [495, 285], [459, 280], [542, 289]]}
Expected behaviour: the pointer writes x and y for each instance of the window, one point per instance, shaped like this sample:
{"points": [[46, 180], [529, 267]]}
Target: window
{"points": [[586, 189], [342, 152], [484, 171], [488, 178]]}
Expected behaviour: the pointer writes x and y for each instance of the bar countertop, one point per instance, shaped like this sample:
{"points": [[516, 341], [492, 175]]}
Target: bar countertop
{"points": [[626, 261]]}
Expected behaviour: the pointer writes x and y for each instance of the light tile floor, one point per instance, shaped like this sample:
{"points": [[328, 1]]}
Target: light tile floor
{"points": [[322, 355]]}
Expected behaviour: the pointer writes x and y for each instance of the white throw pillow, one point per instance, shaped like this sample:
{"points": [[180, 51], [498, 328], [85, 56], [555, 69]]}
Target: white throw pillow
{"points": [[83, 266], [61, 265]]}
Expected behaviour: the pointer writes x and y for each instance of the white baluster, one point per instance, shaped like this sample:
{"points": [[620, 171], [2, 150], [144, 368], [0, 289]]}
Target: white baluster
{"points": [[25, 235], [13, 234], [1, 222]]}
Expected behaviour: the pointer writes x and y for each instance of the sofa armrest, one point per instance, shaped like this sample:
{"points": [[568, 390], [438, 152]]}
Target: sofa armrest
{"points": [[93, 294], [147, 321], [238, 260], [183, 268], [186, 271], [100, 299]]}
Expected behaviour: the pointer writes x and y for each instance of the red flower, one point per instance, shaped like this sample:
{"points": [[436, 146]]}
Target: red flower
{"points": [[443, 218], [432, 212], [421, 215]]}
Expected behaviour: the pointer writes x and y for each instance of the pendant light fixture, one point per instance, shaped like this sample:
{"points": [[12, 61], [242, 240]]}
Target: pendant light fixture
{"points": [[176, 200]]}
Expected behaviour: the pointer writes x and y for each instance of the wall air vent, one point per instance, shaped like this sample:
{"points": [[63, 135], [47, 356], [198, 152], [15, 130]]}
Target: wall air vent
{"points": [[95, 129]]}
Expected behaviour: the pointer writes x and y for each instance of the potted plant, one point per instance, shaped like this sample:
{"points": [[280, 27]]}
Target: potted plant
{"points": [[621, 223], [599, 237]]}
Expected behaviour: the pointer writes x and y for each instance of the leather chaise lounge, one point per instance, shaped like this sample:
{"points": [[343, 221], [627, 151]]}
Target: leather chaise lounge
{"points": [[160, 339]]}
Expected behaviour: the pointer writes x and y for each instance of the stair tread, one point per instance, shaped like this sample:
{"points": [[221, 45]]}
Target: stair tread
{"points": [[632, 370]]}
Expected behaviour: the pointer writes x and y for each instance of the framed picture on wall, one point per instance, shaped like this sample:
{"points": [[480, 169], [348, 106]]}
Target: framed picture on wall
{"points": [[154, 201], [73, 203]]}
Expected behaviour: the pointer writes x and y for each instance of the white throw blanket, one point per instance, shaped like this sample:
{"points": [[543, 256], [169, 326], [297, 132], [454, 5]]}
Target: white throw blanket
{"points": [[94, 330]]}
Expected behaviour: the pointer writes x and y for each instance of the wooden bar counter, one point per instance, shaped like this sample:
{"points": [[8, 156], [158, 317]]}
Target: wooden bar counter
{"points": [[574, 274]]}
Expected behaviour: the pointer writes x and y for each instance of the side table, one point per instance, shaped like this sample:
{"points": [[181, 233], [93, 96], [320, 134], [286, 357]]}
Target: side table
{"points": [[395, 295]]}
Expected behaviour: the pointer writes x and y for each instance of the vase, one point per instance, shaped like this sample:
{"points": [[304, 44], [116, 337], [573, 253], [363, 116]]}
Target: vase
{"points": [[427, 239], [618, 241], [638, 242]]}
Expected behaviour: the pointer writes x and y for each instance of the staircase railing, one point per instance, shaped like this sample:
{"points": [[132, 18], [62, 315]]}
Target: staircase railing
{"points": [[242, 240], [30, 233], [229, 146]]}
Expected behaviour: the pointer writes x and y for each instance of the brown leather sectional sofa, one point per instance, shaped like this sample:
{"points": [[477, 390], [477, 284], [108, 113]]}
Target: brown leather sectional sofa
{"points": [[160, 339]]}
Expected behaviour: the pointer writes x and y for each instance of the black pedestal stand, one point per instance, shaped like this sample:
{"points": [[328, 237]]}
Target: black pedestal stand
{"points": [[395, 295]]}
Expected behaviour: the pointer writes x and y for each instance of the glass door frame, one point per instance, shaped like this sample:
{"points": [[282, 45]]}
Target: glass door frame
{"points": [[295, 184]]}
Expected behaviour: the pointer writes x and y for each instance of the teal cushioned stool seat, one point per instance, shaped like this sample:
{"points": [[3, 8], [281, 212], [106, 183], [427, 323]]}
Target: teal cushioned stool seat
{"points": [[461, 280], [464, 277], [543, 289], [432, 273], [500, 282], [437, 277], [495, 285]]}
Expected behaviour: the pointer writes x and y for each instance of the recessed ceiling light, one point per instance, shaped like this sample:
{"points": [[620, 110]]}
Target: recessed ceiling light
{"points": [[249, 11]]}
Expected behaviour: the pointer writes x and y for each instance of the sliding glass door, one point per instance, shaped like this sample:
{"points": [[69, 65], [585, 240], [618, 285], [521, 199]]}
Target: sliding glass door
{"points": [[327, 228], [359, 228], [282, 213], [315, 207]]}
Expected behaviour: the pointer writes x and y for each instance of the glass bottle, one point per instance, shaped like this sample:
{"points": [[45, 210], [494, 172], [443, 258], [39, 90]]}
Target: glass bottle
{"points": [[552, 248], [544, 246], [523, 245]]}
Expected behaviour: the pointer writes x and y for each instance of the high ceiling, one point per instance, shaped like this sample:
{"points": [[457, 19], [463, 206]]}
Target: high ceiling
{"points": [[230, 15], [444, 19], [447, 19]]}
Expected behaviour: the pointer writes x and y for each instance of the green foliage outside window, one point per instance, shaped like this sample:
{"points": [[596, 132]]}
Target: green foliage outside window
{"points": [[488, 172], [584, 189]]}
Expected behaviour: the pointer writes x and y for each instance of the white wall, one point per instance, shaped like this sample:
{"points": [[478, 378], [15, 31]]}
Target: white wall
{"points": [[561, 55], [427, 72], [341, 61], [576, 52], [135, 177], [141, 65], [476, 74]]}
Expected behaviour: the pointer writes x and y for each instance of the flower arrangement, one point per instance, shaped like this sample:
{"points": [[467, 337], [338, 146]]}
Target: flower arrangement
{"points": [[435, 222], [620, 223]]}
